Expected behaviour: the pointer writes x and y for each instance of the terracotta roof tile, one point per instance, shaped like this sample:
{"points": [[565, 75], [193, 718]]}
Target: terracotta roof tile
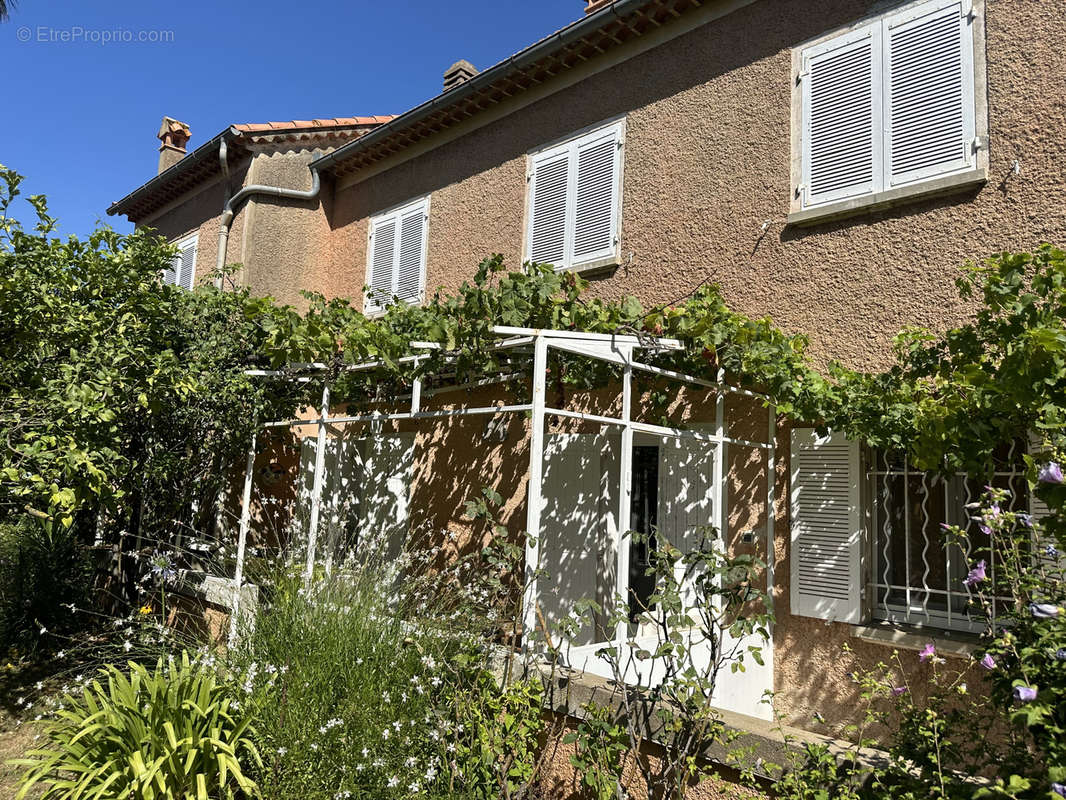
{"points": [[293, 124]]}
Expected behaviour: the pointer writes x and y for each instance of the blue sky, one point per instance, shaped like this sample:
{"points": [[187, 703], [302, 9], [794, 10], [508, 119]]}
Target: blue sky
{"points": [[80, 116]]}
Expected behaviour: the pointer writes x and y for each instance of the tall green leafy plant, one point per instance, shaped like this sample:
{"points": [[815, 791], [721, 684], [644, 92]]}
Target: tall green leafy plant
{"points": [[176, 731]]}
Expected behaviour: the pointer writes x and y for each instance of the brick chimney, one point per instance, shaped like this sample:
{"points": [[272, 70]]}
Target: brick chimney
{"points": [[459, 72], [174, 135], [592, 6]]}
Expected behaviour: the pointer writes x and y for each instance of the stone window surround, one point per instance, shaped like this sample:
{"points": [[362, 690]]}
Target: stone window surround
{"points": [[935, 187]]}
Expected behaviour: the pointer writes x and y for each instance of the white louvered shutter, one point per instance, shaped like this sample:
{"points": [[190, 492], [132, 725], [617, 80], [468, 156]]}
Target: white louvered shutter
{"points": [[841, 117], [548, 208], [185, 264], [170, 274], [574, 200], [596, 204], [929, 90], [411, 258], [826, 527], [382, 261]]}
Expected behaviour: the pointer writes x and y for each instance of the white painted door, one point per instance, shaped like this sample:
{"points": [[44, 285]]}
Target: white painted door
{"points": [[572, 530]]}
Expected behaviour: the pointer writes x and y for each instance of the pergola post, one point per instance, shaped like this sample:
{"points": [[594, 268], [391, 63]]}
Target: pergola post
{"points": [[533, 493], [242, 538], [316, 490], [625, 480], [771, 484]]}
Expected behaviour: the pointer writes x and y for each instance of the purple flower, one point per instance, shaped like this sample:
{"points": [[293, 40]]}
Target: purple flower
{"points": [[1059, 789], [977, 574], [988, 662], [1024, 694], [1044, 610], [927, 652], [1050, 473], [995, 511], [1025, 519], [1051, 551], [1060, 654], [987, 531], [898, 690]]}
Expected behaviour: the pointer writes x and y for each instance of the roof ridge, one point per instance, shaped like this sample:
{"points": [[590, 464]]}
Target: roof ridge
{"points": [[329, 122]]}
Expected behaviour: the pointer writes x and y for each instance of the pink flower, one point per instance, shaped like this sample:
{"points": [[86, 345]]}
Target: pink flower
{"points": [[988, 662], [977, 574], [898, 690], [927, 652]]}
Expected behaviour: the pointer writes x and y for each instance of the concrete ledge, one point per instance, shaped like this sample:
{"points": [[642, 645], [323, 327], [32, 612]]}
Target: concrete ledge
{"points": [[762, 743], [889, 198], [960, 645]]}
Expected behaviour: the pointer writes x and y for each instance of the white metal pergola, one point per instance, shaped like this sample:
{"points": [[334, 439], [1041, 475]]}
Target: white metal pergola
{"points": [[619, 350]]}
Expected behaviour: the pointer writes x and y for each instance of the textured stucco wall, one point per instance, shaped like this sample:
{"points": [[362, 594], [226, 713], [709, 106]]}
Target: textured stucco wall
{"points": [[707, 162], [288, 240], [199, 213], [283, 245]]}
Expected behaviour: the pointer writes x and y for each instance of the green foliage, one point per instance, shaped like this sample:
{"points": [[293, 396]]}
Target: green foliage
{"points": [[496, 741], [949, 740], [118, 392], [44, 575], [707, 615], [600, 744], [174, 732], [379, 687], [820, 775]]}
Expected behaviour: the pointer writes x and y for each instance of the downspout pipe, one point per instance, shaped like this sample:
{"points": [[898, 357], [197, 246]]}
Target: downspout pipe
{"points": [[226, 220]]}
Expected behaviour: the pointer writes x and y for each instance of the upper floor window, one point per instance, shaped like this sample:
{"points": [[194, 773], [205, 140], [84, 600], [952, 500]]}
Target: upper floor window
{"points": [[182, 270], [396, 255], [575, 199], [888, 109]]}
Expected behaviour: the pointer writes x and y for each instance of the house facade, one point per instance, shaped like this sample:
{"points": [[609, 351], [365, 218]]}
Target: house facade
{"points": [[828, 163]]}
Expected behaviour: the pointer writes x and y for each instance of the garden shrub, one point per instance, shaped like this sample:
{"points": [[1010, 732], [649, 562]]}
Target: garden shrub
{"points": [[44, 575], [176, 732], [382, 688]]}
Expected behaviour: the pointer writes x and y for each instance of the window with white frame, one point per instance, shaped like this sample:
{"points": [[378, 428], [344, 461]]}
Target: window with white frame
{"points": [[182, 270], [888, 106], [867, 541], [574, 200], [917, 573], [396, 255]]}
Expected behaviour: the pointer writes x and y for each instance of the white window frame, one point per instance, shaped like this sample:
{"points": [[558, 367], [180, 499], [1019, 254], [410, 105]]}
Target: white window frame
{"points": [[184, 242], [571, 144], [926, 183], [372, 307]]}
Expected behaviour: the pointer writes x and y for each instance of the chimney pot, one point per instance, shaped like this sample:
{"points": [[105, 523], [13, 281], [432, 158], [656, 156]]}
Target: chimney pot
{"points": [[592, 6], [459, 72], [173, 135]]}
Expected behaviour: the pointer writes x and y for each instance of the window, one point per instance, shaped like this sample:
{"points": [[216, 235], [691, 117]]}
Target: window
{"points": [[917, 576], [182, 271], [866, 535], [888, 109], [396, 256], [574, 201]]}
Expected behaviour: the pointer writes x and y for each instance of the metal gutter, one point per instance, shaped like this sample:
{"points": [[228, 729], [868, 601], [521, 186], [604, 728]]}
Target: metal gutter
{"points": [[208, 150], [226, 220], [524, 58]]}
